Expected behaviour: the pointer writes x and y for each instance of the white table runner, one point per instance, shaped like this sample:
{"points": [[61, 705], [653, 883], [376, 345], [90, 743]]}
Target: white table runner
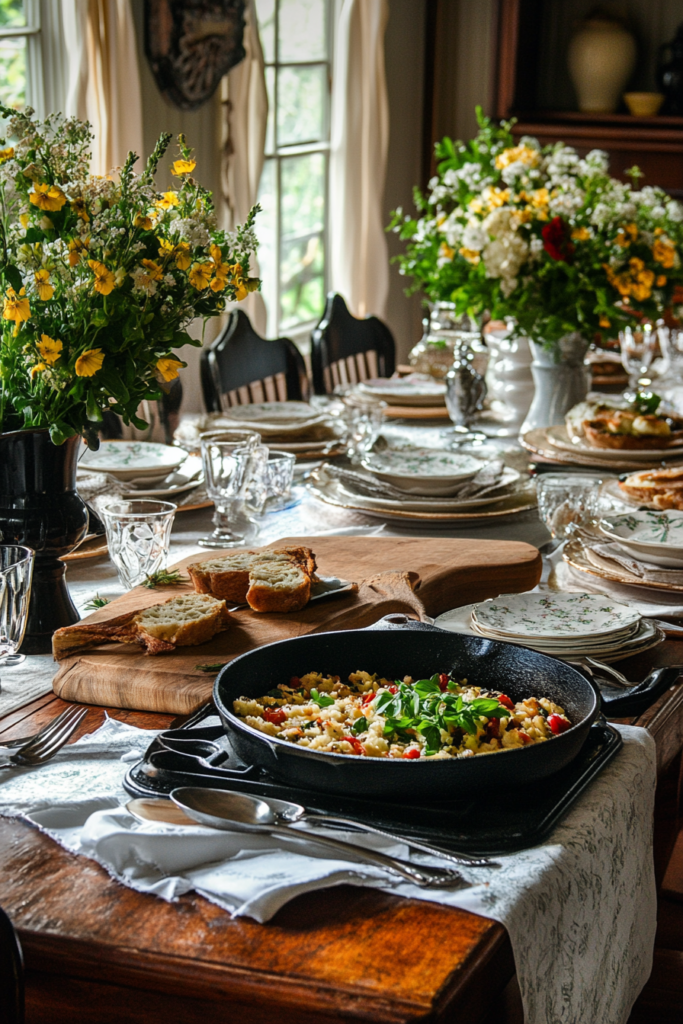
{"points": [[580, 909]]}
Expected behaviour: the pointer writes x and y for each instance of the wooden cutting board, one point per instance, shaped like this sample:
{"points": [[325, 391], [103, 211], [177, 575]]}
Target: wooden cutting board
{"points": [[394, 574]]}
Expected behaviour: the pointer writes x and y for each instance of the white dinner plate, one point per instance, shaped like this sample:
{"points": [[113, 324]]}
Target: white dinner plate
{"points": [[413, 503], [128, 459], [405, 391], [552, 616], [423, 471], [559, 438], [651, 536]]}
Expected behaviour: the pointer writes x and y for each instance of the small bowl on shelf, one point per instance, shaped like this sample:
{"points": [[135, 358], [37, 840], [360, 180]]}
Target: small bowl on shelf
{"points": [[644, 104]]}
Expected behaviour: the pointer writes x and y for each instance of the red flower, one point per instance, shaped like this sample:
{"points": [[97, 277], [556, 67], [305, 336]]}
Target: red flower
{"points": [[556, 240]]}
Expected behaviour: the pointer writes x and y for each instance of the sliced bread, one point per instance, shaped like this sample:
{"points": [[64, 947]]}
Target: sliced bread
{"points": [[232, 576], [278, 587]]}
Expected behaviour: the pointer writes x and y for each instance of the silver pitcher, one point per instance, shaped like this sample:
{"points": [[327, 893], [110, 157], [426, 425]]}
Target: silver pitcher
{"points": [[465, 388]]}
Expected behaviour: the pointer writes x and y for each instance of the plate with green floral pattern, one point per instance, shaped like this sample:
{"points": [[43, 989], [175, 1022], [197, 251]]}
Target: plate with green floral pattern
{"points": [[546, 615], [649, 536]]}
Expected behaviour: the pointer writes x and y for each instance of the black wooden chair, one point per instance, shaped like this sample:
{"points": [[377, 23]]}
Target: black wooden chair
{"points": [[240, 367], [11, 974], [346, 350]]}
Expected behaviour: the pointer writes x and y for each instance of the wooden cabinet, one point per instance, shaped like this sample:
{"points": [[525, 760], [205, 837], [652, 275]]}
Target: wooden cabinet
{"points": [[532, 84]]}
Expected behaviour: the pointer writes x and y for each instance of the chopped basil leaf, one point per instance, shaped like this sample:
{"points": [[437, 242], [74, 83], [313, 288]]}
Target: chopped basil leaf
{"points": [[360, 725], [321, 699]]}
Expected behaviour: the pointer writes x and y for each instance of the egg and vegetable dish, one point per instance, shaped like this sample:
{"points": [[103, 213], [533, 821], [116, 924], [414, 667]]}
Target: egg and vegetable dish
{"points": [[369, 716]]}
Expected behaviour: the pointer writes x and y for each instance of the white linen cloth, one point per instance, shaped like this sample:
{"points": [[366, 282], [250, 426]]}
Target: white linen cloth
{"points": [[649, 602], [580, 909]]}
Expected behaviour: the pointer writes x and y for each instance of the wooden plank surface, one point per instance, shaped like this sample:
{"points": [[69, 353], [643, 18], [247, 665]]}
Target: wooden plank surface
{"points": [[445, 573]]}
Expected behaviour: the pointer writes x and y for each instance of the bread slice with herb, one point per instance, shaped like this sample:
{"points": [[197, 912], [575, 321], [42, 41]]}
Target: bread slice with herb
{"points": [[232, 577], [182, 621]]}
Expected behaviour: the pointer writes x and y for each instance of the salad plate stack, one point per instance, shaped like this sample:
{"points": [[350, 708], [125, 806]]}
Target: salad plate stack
{"points": [[416, 396], [423, 485], [565, 625]]}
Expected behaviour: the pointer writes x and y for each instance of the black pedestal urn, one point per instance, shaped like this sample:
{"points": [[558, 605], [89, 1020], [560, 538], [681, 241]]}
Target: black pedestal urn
{"points": [[39, 507]]}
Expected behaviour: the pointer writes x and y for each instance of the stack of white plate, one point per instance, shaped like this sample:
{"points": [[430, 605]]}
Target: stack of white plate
{"points": [[648, 536], [144, 468], [565, 625]]}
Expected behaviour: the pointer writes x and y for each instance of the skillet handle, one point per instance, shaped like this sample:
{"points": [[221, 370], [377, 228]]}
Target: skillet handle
{"points": [[397, 620], [641, 697]]}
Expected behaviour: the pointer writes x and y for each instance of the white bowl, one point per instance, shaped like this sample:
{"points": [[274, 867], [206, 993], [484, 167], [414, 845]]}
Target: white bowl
{"points": [[127, 460], [426, 471], [648, 536]]}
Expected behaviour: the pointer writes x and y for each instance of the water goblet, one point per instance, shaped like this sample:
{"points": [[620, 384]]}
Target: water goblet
{"points": [[138, 537], [16, 573], [638, 349], [235, 481], [240, 438], [567, 502], [363, 418]]}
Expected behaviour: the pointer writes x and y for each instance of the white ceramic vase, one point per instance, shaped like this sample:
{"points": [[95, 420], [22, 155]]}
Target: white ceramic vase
{"points": [[602, 56], [509, 381], [561, 380]]}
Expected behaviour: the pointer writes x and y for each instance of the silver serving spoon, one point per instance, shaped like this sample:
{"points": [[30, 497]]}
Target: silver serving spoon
{"points": [[286, 812], [241, 812]]}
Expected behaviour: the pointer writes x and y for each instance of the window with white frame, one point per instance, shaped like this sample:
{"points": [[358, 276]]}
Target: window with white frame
{"points": [[292, 229], [21, 72]]}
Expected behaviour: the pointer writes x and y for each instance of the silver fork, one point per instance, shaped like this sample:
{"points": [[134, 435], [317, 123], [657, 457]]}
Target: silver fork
{"points": [[40, 750], [46, 731]]}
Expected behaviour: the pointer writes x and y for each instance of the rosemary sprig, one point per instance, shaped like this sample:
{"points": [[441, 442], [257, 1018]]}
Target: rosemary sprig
{"points": [[164, 578], [96, 602], [211, 668]]}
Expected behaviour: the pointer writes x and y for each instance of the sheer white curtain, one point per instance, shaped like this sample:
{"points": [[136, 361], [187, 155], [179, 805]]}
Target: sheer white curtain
{"points": [[359, 139], [102, 81], [246, 113]]}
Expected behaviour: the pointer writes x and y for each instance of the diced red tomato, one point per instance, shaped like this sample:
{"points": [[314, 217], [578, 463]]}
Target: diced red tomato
{"points": [[367, 697], [295, 682], [493, 728], [392, 689], [275, 715], [443, 682], [413, 752], [506, 702], [558, 724], [525, 736], [358, 747]]}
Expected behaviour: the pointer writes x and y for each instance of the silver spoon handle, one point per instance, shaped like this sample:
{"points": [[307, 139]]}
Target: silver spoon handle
{"points": [[415, 844], [434, 878]]}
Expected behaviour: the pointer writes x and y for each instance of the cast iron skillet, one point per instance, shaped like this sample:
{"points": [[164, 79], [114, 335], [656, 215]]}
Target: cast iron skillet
{"points": [[420, 650]]}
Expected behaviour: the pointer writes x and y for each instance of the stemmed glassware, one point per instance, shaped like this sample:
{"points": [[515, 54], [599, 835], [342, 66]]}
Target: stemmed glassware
{"points": [[638, 349], [235, 478], [138, 537], [16, 574]]}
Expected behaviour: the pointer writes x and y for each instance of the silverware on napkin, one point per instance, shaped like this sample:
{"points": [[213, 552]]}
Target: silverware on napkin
{"points": [[486, 482], [48, 742]]}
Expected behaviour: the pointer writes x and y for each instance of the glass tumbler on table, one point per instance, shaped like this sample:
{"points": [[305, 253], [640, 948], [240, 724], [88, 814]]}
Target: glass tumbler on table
{"points": [[235, 480], [363, 418], [567, 501], [279, 477], [138, 537], [16, 573]]}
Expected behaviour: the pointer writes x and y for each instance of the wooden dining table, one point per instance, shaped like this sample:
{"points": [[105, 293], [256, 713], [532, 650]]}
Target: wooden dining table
{"points": [[96, 950]]}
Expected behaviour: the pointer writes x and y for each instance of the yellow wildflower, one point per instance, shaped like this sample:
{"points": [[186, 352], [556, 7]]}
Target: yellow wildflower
{"points": [[25, 220], [168, 368], [50, 349], [521, 154], [476, 206], [221, 270], [6, 154], [604, 322], [141, 220], [153, 269], [105, 282], [181, 167], [582, 235], [471, 255], [200, 275], [89, 362], [181, 252], [661, 281], [16, 308], [43, 287], [494, 197], [77, 247], [664, 252], [168, 199], [78, 207], [47, 197], [38, 368]]}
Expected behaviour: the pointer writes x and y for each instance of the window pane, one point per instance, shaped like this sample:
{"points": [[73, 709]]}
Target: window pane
{"points": [[13, 72], [265, 13], [12, 13], [266, 231], [302, 94], [270, 124], [302, 250], [302, 30]]}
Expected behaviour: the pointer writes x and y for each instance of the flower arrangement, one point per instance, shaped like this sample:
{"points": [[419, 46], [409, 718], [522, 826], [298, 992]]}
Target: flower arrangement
{"points": [[544, 236], [101, 277]]}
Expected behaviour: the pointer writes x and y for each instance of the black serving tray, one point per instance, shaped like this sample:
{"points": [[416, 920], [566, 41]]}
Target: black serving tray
{"points": [[482, 824]]}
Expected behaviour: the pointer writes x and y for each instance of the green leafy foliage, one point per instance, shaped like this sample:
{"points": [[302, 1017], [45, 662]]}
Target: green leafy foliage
{"points": [[321, 699]]}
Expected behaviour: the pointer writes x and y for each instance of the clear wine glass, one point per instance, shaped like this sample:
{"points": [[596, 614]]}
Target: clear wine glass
{"points": [[16, 574], [638, 349], [235, 480]]}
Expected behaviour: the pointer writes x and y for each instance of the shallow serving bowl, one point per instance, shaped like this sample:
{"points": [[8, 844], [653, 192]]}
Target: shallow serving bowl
{"points": [[655, 537], [425, 471], [127, 460]]}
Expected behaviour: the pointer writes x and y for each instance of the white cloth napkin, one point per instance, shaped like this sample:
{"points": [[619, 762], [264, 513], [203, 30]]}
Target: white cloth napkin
{"points": [[580, 909], [646, 571], [649, 602]]}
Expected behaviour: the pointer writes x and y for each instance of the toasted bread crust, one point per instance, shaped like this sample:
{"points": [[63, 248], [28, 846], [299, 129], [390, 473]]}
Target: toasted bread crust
{"points": [[658, 488], [232, 578], [598, 437], [264, 596]]}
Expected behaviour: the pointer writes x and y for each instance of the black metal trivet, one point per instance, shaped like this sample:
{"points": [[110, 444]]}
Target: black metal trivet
{"points": [[485, 823]]}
